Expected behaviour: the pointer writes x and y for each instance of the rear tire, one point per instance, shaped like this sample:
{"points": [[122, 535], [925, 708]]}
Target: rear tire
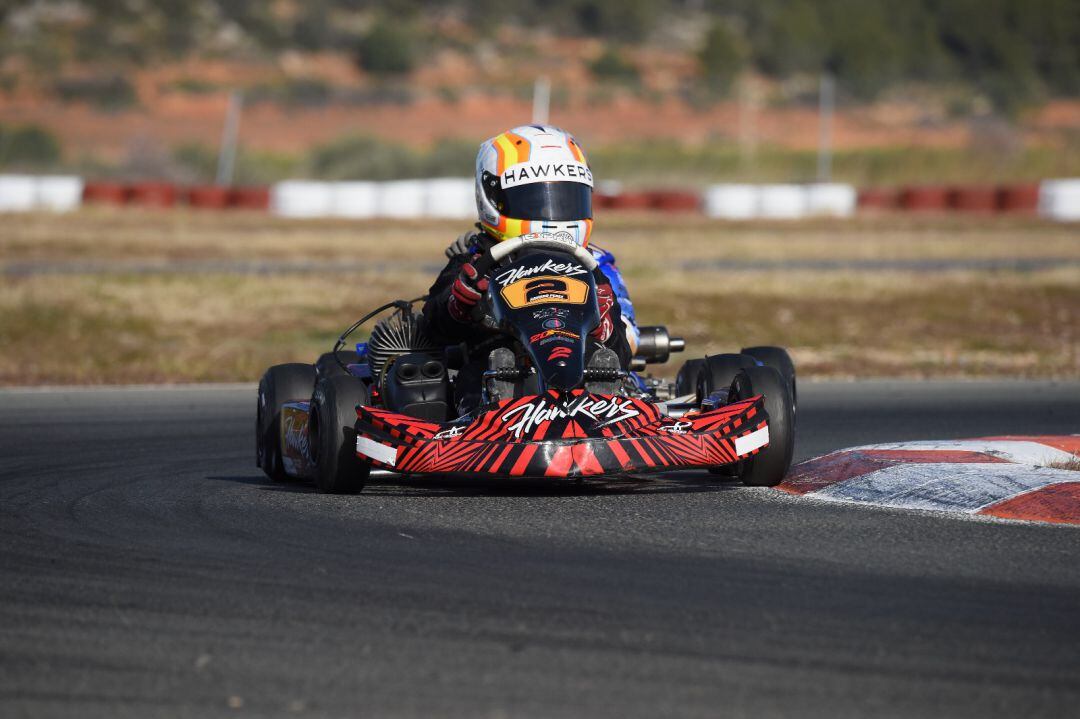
{"points": [[768, 467], [686, 381], [718, 372], [280, 384], [329, 364], [333, 435], [779, 359]]}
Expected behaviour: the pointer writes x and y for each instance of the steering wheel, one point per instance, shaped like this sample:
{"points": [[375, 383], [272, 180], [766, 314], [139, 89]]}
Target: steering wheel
{"points": [[502, 250]]}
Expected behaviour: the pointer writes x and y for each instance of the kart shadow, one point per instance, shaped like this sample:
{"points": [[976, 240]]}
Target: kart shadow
{"points": [[391, 485], [427, 486], [263, 483]]}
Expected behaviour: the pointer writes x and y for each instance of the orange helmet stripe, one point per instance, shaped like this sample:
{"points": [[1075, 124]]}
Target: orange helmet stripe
{"points": [[578, 154], [511, 149]]}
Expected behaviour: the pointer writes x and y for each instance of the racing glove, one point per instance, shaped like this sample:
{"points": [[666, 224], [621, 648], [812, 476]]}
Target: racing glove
{"points": [[466, 292], [462, 245], [605, 298]]}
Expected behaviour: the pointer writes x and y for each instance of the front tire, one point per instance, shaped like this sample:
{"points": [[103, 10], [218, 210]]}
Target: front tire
{"points": [[280, 384], [779, 359], [333, 434], [768, 467]]}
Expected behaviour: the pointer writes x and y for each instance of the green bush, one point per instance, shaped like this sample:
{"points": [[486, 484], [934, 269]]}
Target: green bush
{"points": [[387, 50], [109, 92], [28, 146], [622, 20], [611, 66], [363, 158], [195, 162]]}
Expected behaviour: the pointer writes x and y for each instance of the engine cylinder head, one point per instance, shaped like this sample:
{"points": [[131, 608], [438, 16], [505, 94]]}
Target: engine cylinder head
{"points": [[400, 333]]}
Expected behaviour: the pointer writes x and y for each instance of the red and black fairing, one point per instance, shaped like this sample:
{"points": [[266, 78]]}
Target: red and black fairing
{"points": [[572, 434]]}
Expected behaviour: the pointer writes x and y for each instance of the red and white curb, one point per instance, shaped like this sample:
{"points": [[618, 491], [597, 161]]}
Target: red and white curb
{"points": [[1005, 477]]}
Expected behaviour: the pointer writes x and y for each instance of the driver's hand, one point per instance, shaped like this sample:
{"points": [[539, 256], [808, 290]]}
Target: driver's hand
{"points": [[466, 292], [461, 246]]}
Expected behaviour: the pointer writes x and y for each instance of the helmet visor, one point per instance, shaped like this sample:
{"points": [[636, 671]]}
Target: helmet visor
{"points": [[554, 201]]}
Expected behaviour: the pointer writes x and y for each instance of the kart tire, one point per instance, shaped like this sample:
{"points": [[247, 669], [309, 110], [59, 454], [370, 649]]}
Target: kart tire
{"points": [[768, 467], [686, 381], [779, 359], [329, 364], [718, 372], [333, 434], [280, 384]]}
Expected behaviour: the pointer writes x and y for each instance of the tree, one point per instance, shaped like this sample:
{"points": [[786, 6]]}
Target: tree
{"points": [[721, 58]]}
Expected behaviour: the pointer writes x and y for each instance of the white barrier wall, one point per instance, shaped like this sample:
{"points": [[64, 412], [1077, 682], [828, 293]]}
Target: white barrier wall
{"points": [[358, 200], [18, 193], [444, 198], [25, 193], [301, 198], [731, 202], [450, 198], [59, 193], [402, 199], [782, 202], [831, 200], [1060, 200], [779, 202]]}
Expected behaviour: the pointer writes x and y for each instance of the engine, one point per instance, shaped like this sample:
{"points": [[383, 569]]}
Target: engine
{"points": [[407, 368], [401, 333]]}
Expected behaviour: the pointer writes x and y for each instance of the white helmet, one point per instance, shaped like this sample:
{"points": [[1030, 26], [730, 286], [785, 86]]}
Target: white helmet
{"points": [[534, 178]]}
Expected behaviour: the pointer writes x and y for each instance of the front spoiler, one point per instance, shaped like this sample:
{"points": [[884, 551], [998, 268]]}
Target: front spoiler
{"points": [[566, 446]]}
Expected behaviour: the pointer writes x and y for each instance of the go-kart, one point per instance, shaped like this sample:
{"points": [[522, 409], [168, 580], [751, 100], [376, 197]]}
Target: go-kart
{"points": [[537, 400]]}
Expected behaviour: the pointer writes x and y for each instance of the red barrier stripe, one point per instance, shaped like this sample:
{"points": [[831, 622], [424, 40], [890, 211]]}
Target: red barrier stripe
{"points": [[1066, 443], [1057, 503]]}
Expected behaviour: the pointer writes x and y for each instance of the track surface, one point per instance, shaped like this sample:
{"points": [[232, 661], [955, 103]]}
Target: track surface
{"points": [[146, 569]]}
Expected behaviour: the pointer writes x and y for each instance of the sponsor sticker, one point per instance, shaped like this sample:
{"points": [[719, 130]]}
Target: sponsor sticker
{"points": [[295, 427], [568, 269], [676, 428], [451, 433], [562, 237], [529, 172], [603, 412], [546, 289], [539, 336], [550, 312]]}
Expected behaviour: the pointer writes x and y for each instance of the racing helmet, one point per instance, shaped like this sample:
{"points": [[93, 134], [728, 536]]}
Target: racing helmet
{"points": [[534, 178]]}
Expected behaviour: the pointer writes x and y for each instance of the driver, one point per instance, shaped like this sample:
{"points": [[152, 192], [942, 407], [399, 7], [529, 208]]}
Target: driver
{"points": [[533, 178]]}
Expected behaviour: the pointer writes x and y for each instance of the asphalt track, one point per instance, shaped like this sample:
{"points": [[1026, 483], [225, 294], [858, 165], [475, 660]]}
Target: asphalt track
{"points": [[147, 569]]}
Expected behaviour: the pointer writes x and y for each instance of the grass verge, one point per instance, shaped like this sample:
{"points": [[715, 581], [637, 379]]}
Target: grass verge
{"points": [[118, 327]]}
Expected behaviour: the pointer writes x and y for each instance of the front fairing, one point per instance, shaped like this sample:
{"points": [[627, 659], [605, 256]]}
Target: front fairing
{"points": [[547, 300]]}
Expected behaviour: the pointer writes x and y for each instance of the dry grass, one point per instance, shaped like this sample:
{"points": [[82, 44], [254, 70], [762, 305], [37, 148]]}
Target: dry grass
{"points": [[1069, 464], [181, 326], [98, 234]]}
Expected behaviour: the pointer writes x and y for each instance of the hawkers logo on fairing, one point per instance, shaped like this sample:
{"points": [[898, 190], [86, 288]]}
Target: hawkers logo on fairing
{"points": [[676, 428], [527, 418], [451, 433], [568, 269], [296, 433]]}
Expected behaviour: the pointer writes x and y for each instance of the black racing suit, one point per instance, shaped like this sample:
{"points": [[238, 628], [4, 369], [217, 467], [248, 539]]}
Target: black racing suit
{"points": [[446, 330]]}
